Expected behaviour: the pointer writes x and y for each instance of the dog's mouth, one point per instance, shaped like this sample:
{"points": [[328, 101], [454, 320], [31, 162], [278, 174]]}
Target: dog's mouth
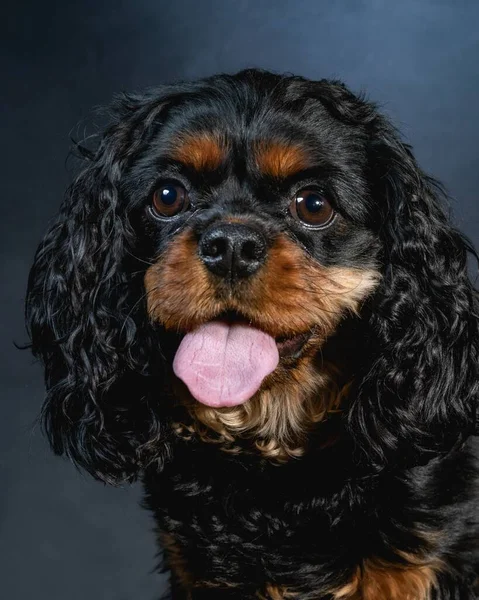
{"points": [[224, 362]]}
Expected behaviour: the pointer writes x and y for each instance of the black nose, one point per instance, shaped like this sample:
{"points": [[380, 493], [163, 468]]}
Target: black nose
{"points": [[232, 250]]}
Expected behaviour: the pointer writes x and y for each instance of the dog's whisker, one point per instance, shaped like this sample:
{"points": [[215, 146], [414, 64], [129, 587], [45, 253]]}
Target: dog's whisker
{"points": [[138, 258]]}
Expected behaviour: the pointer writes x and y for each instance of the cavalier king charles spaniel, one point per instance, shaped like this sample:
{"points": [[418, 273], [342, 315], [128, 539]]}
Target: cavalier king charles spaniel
{"points": [[254, 300]]}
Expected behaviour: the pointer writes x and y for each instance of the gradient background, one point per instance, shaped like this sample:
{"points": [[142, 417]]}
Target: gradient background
{"points": [[63, 536]]}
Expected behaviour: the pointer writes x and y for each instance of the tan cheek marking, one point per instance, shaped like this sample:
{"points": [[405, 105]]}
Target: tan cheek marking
{"points": [[294, 293], [202, 151], [279, 159], [178, 289]]}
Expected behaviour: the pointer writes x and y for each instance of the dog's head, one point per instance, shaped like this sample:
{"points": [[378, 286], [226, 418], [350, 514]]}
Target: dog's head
{"points": [[222, 234]]}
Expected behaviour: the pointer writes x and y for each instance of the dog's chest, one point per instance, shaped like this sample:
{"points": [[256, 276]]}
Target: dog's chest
{"points": [[272, 519]]}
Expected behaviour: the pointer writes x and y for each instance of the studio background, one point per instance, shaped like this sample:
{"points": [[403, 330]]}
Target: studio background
{"points": [[63, 536]]}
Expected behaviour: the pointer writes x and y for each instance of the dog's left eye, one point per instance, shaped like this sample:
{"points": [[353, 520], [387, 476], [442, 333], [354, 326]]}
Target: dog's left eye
{"points": [[170, 200], [312, 209]]}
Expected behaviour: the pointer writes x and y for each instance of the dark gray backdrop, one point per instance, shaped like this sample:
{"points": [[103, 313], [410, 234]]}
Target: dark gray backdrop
{"points": [[63, 536]]}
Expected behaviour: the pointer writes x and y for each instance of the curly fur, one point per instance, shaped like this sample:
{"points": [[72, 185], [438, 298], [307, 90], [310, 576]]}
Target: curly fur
{"points": [[395, 487]]}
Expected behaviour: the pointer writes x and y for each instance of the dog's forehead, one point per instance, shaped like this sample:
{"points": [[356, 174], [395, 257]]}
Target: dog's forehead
{"points": [[271, 138]]}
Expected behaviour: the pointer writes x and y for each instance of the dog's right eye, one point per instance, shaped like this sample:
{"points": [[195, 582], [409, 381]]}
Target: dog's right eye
{"points": [[170, 200]]}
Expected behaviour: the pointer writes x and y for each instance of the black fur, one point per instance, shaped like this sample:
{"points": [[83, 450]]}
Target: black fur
{"points": [[404, 462]]}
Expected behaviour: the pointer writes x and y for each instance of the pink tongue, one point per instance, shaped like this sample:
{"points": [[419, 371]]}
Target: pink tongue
{"points": [[223, 364]]}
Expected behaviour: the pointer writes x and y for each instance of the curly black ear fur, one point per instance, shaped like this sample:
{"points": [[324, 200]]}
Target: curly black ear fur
{"points": [[419, 396], [84, 318]]}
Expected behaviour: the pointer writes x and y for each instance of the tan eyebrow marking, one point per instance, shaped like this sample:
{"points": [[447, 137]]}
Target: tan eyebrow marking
{"points": [[280, 159], [201, 151]]}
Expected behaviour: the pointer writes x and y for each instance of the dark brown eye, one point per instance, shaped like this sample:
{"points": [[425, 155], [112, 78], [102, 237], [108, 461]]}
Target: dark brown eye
{"points": [[312, 209], [170, 200]]}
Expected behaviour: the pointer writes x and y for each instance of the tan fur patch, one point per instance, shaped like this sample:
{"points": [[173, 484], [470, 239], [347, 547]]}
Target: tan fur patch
{"points": [[376, 580], [176, 561], [178, 566], [275, 592], [201, 151], [291, 294], [280, 159]]}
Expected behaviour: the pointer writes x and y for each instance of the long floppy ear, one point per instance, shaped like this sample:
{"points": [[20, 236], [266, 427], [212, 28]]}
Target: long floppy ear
{"points": [[86, 315], [420, 396]]}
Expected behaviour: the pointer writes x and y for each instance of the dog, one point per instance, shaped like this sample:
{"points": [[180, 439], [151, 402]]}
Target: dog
{"points": [[254, 300]]}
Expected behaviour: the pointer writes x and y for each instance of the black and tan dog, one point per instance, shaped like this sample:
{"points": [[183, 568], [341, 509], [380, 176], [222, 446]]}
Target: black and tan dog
{"points": [[253, 299]]}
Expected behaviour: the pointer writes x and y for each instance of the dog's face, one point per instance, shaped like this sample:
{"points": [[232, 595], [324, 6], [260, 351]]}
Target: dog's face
{"points": [[256, 212], [264, 211]]}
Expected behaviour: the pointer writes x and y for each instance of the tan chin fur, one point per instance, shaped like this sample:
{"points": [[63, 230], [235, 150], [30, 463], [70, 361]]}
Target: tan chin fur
{"points": [[276, 422]]}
